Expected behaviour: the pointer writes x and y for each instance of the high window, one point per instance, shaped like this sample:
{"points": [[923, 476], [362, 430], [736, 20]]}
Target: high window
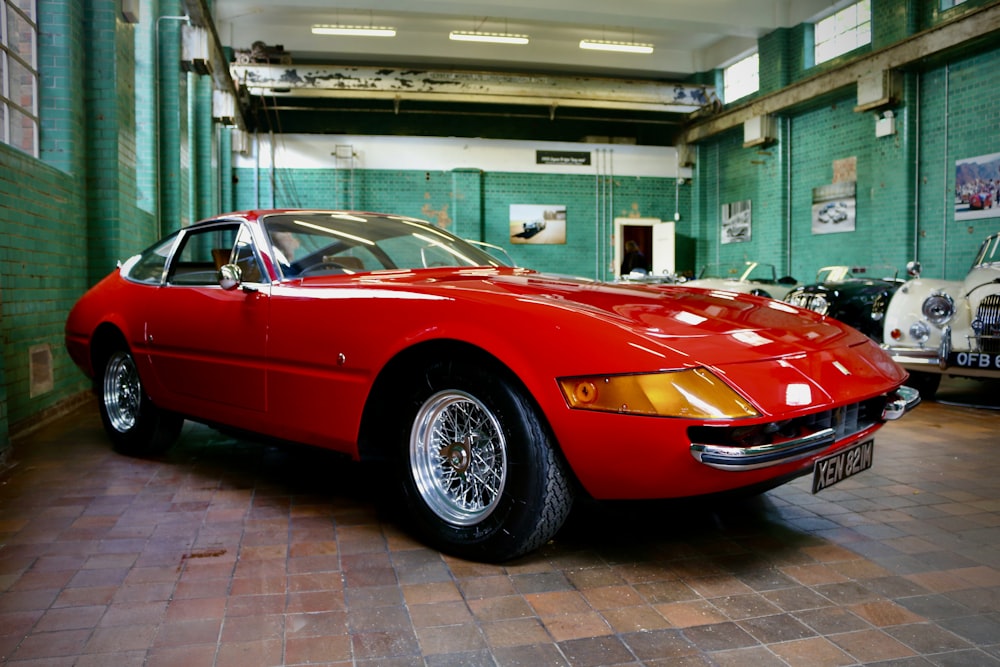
{"points": [[19, 75], [948, 4], [844, 31], [741, 78]]}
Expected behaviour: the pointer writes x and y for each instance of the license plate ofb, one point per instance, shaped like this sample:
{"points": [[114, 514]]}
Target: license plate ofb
{"points": [[837, 467]]}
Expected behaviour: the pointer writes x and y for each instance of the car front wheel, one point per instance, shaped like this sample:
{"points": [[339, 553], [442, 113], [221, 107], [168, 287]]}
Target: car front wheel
{"points": [[481, 479], [134, 424]]}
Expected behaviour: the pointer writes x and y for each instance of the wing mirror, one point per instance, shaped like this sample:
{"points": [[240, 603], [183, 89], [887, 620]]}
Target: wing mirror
{"points": [[913, 268], [230, 277]]}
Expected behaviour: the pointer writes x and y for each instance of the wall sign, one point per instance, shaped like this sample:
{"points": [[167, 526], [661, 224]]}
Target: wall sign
{"points": [[581, 158]]}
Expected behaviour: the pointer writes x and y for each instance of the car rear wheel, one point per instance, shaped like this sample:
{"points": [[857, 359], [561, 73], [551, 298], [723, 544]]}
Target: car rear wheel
{"points": [[134, 424], [481, 478]]}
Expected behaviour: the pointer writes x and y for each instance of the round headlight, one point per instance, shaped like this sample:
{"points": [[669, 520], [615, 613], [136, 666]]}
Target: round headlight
{"points": [[920, 332], [819, 304], [938, 308]]}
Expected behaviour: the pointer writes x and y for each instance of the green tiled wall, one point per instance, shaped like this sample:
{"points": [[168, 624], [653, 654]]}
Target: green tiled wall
{"points": [[43, 268], [905, 182], [68, 216], [471, 203], [954, 126]]}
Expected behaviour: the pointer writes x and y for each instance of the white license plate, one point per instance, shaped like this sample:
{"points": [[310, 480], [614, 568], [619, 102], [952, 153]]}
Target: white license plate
{"points": [[838, 467], [975, 360]]}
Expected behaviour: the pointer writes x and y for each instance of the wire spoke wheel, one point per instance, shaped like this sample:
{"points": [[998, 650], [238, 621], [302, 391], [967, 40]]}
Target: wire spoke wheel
{"points": [[458, 457], [122, 393]]}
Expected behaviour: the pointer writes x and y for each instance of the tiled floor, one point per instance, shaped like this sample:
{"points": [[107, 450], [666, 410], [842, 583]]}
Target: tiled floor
{"points": [[235, 553]]}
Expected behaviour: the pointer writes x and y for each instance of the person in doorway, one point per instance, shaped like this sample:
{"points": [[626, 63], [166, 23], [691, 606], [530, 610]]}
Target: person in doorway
{"points": [[633, 260]]}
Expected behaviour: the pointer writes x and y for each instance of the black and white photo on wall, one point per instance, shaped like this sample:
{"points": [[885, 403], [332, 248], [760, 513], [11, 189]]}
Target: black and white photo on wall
{"points": [[736, 222], [834, 208]]}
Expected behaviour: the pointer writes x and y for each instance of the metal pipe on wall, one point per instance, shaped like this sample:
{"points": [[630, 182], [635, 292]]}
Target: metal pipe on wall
{"points": [[947, 168], [604, 209], [598, 155], [916, 166], [785, 154]]}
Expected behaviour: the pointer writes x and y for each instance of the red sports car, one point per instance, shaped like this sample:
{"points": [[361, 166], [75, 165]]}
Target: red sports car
{"points": [[497, 393]]}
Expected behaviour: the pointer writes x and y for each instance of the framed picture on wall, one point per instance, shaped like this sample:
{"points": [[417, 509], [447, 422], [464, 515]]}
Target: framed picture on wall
{"points": [[977, 186], [736, 222], [834, 208], [538, 223]]}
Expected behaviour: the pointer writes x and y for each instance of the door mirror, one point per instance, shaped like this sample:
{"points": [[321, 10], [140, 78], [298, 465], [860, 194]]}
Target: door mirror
{"points": [[230, 276]]}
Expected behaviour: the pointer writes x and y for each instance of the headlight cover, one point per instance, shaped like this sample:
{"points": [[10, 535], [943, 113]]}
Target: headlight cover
{"points": [[938, 308], [695, 394]]}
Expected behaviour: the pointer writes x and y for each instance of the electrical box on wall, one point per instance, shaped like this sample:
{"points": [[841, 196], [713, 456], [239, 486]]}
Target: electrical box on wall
{"points": [[885, 125], [879, 89], [758, 130]]}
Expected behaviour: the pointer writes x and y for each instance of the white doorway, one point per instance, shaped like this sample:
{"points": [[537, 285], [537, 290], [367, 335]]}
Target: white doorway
{"points": [[655, 238]]}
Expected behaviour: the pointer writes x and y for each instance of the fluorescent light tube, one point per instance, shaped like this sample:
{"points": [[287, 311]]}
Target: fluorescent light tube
{"points": [[622, 47], [354, 30], [488, 37]]}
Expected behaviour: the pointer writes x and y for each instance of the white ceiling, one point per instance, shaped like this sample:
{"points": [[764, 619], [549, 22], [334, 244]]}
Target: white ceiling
{"points": [[689, 35]]}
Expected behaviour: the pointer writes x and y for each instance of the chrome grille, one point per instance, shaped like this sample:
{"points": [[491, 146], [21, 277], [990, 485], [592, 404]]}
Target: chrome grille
{"points": [[987, 324], [845, 421]]}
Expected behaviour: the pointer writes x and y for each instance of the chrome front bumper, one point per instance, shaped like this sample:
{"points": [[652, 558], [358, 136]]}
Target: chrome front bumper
{"points": [[728, 457], [923, 356]]}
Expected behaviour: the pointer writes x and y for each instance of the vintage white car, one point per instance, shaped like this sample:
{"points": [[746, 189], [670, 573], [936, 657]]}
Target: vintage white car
{"points": [[948, 327], [749, 277]]}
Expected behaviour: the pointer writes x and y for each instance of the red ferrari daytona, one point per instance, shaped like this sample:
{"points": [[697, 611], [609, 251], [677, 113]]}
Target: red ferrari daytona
{"points": [[497, 393]]}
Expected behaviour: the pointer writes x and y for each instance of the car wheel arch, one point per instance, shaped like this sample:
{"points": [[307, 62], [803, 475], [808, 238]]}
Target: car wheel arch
{"points": [[105, 340], [405, 366]]}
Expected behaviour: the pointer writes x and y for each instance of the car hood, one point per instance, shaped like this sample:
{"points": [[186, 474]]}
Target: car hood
{"points": [[686, 326]]}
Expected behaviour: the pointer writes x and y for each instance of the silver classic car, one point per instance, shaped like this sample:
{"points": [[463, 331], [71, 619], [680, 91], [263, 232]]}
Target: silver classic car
{"points": [[948, 327]]}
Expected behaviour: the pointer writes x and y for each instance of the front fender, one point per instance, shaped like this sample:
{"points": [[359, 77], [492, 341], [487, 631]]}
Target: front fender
{"points": [[905, 310]]}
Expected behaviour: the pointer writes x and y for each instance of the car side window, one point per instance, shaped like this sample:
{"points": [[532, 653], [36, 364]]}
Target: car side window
{"points": [[150, 265], [202, 253]]}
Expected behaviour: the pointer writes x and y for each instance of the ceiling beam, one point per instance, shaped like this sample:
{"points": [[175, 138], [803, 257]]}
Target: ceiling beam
{"points": [[394, 83]]}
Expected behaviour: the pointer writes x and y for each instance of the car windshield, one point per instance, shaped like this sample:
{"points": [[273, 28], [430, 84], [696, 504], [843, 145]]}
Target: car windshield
{"points": [[989, 253], [748, 271], [839, 274], [309, 243]]}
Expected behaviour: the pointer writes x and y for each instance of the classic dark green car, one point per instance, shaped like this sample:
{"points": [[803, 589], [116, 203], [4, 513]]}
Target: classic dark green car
{"points": [[855, 295]]}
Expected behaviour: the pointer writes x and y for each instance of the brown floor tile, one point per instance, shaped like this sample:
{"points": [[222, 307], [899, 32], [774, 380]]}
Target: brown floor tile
{"points": [[228, 552]]}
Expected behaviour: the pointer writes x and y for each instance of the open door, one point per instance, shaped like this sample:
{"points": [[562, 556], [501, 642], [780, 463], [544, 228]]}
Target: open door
{"points": [[654, 237]]}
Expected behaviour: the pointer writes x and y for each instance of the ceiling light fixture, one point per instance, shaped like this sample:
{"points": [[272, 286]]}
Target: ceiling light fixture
{"points": [[353, 30], [488, 37], [621, 47]]}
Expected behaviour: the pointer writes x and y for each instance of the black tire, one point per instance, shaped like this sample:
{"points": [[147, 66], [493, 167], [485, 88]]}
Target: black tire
{"points": [[925, 383], [134, 424], [481, 478]]}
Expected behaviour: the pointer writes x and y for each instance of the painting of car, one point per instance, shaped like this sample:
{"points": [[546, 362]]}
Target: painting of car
{"points": [[855, 295], [493, 395], [939, 327], [981, 200], [833, 212], [757, 278]]}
